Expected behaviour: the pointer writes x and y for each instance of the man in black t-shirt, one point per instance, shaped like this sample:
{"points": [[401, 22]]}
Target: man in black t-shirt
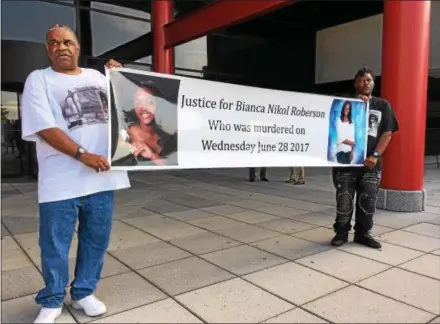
{"points": [[363, 182]]}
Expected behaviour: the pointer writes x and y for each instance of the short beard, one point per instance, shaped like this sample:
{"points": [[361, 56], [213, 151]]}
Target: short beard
{"points": [[70, 67]]}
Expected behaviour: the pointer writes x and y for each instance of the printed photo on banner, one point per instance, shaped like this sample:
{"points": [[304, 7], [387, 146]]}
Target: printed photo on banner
{"points": [[373, 122], [144, 119], [348, 132]]}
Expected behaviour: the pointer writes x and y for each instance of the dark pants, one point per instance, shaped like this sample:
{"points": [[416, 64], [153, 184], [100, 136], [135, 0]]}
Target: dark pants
{"points": [[252, 173], [362, 183], [57, 226]]}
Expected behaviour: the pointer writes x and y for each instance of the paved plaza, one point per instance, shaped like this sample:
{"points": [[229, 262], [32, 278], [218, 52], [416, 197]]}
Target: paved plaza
{"points": [[208, 246]]}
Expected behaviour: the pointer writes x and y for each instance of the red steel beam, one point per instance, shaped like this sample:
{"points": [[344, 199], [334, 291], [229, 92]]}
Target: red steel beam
{"points": [[217, 15]]}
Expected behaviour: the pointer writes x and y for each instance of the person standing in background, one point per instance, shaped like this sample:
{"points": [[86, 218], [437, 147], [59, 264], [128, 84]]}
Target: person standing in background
{"points": [[18, 139], [9, 142], [263, 173], [297, 176]]}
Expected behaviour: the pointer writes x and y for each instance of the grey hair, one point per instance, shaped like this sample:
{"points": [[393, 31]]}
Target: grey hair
{"points": [[56, 26]]}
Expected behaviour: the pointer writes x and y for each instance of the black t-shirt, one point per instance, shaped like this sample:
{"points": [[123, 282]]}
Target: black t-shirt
{"points": [[380, 120]]}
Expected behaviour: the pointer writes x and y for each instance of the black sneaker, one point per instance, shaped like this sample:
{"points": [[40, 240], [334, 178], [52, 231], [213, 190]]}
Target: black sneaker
{"points": [[251, 179], [264, 179], [367, 240], [340, 239]]}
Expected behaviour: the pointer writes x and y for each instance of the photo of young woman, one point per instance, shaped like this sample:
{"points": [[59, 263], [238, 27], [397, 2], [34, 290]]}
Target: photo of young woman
{"points": [[148, 140], [142, 140], [345, 135], [347, 138]]}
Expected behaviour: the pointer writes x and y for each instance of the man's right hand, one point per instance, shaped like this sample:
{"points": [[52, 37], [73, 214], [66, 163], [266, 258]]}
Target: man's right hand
{"points": [[94, 161]]}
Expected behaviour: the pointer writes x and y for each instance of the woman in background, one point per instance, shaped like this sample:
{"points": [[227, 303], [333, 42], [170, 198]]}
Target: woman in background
{"points": [[297, 176], [345, 135]]}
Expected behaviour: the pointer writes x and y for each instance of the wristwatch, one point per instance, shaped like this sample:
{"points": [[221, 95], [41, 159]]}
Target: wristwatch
{"points": [[376, 154], [80, 151]]}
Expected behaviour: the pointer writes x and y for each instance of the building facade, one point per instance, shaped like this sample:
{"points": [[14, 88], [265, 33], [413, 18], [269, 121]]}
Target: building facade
{"points": [[105, 29], [312, 46]]}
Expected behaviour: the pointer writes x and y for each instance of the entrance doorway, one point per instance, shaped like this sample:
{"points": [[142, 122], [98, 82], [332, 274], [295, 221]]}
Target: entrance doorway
{"points": [[17, 156]]}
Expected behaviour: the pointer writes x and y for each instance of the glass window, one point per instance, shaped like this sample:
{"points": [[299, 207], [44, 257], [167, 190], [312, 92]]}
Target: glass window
{"points": [[138, 66], [191, 55], [111, 8], [187, 73], [146, 60], [18, 157], [9, 109], [145, 64], [9, 133], [110, 31], [30, 20]]}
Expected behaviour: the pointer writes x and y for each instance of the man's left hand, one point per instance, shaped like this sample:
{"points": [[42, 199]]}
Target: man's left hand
{"points": [[370, 162], [113, 64]]}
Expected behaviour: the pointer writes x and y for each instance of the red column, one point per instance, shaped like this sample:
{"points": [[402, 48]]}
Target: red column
{"points": [[163, 60], [405, 63]]}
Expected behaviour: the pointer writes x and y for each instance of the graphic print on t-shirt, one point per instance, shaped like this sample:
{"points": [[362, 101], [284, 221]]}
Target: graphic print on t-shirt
{"points": [[374, 119], [85, 106]]}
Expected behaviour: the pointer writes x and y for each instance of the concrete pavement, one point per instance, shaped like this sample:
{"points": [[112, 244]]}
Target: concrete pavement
{"points": [[208, 246]]}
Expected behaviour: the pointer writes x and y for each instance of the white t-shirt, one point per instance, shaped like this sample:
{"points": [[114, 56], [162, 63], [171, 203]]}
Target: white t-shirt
{"points": [[345, 132], [77, 104]]}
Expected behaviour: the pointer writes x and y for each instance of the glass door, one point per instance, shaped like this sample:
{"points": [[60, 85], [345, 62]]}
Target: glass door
{"points": [[18, 157], [10, 133]]}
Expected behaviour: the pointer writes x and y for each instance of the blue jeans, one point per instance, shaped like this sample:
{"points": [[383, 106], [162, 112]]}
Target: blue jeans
{"points": [[57, 226]]}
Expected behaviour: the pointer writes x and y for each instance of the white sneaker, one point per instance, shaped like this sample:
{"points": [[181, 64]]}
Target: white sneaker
{"points": [[48, 315], [91, 305]]}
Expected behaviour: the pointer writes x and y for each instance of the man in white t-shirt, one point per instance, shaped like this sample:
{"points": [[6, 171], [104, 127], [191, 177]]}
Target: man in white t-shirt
{"points": [[64, 114]]}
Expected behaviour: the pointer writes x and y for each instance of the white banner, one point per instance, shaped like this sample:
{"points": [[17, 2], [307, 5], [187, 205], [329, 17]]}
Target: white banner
{"points": [[161, 121]]}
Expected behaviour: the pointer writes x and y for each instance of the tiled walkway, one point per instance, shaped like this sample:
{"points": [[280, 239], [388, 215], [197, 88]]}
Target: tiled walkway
{"points": [[208, 246]]}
